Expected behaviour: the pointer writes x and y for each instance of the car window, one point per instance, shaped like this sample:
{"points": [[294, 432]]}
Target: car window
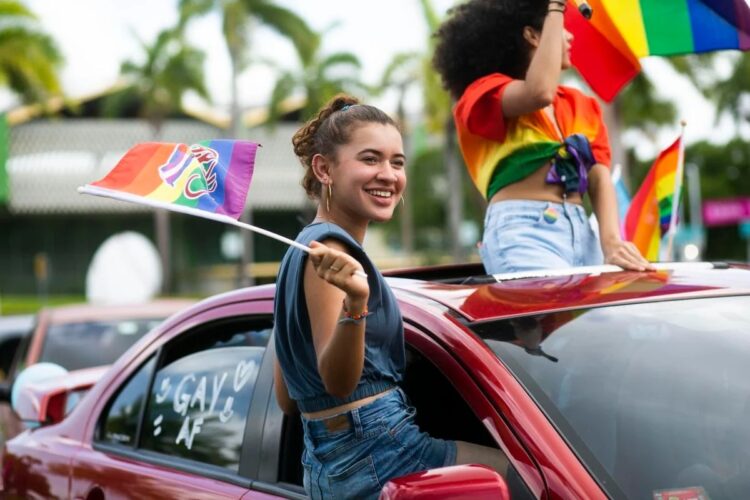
{"points": [[8, 346], [120, 422], [94, 343], [199, 401], [654, 397]]}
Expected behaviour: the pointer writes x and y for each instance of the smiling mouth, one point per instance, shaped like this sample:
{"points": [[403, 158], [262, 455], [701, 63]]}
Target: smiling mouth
{"points": [[380, 194]]}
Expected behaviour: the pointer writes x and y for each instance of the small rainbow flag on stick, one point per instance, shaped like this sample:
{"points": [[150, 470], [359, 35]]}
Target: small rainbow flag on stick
{"points": [[209, 179], [653, 210]]}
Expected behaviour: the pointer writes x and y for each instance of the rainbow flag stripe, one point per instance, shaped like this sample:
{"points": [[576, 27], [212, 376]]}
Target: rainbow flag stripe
{"points": [[669, 27], [622, 31], [211, 176], [652, 208]]}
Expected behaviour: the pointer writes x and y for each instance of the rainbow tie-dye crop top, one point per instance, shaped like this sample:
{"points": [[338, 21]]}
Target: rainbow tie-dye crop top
{"points": [[499, 151]]}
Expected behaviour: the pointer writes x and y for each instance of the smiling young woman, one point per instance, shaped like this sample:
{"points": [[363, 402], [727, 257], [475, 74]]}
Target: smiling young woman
{"points": [[339, 337]]}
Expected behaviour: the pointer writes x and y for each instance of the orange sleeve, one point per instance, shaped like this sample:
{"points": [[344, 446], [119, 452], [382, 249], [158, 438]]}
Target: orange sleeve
{"points": [[600, 144], [480, 111]]}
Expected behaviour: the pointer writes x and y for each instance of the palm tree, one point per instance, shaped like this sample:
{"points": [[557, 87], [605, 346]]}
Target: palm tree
{"points": [[238, 17], [29, 58], [319, 78], [168, 69], [237, 20], [439, 119]]}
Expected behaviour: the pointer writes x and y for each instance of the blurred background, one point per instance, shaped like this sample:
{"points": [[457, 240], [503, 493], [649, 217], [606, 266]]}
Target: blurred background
{"points": [[81, 82]]}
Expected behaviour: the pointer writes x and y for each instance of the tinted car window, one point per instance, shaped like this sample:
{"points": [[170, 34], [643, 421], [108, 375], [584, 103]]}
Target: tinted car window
{"points": [[8, 346], [83, 345], [120, 422], [198, 404], [655, 396]]}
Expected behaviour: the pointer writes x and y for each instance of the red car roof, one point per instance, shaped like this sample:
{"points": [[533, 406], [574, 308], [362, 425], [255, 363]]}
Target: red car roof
{"points": [[160, 308], [492, 300]]}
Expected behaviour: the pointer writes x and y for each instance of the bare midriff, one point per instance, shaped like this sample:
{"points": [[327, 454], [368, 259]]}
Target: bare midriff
{"points": [[535, 187], [336, 410]]}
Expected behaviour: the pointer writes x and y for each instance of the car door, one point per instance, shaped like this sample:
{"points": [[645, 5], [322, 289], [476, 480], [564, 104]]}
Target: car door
{"points": [[177, 428], [449, 405]]}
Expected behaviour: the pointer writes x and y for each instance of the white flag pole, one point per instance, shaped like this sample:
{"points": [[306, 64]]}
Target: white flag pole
{"points": [[119, 195], [672, 230]]}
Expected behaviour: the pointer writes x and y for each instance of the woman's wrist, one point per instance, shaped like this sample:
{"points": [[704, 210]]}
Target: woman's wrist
{"points": [[354, 306], [556, 6]]}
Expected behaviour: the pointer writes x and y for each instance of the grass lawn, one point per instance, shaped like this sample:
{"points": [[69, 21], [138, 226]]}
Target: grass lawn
{"points": [[29, 304]]}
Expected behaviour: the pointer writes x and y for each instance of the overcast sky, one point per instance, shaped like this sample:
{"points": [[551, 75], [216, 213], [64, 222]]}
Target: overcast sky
{"points": [[97, 35]]}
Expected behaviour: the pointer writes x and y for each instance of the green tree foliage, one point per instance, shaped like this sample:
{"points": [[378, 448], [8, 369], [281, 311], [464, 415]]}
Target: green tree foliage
{"points": [[238, 18], [29, 58], [318, 79], [157, 83]]}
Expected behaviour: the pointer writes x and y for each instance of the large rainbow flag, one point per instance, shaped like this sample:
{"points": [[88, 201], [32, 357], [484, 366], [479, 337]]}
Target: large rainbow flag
{"points": [[210, 176], [653, 210], [606, 49]]}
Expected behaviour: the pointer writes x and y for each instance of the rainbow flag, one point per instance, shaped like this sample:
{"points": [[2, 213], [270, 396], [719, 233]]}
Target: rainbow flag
{"points": [[207, 177], [653, 210], [623, 31]]}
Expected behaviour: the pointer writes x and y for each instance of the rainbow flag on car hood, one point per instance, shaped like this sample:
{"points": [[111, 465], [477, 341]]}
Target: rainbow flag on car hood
{"points": [[606, 49], [210, 176]]}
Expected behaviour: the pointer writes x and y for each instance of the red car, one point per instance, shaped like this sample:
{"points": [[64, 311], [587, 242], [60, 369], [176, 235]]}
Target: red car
{"points": [[80, 336], [595, 383]]}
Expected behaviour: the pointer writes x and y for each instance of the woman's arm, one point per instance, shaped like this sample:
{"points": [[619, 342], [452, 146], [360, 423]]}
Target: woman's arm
{"points": [[537, 89], [340, 347], [616, 251], [286, 403]]}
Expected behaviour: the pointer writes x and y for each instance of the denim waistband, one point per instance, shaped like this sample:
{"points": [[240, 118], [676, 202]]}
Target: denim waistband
{"points": [[355, 418], [325, 401], [511, 206]]}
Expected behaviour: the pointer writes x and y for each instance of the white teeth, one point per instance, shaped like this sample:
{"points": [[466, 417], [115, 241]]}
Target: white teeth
{"points": [[381, 194]]}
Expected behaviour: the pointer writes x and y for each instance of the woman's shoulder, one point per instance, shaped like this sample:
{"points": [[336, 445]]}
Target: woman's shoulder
{"points": [[485, 84]]}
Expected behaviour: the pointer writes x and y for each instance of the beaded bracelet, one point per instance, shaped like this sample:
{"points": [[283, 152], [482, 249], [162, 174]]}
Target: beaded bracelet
{"points": [[355, 317], [345, 321]]}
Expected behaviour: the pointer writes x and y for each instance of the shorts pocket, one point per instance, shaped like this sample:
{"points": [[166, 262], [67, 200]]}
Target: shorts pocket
{"points": [[359, 480], [406, 417]]}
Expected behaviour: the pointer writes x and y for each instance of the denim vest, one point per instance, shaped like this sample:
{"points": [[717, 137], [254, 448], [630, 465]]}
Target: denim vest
{"points": [[384, 329]]}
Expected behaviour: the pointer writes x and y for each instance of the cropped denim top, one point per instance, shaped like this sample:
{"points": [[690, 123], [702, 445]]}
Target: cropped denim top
{"points": [[384, 329]]}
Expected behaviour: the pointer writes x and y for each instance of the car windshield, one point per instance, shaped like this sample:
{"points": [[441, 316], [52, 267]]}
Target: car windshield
{"points": [[654, 398], [93, 343]]}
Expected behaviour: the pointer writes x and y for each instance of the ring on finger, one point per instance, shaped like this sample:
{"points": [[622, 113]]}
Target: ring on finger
{"points": [[335, 269]]}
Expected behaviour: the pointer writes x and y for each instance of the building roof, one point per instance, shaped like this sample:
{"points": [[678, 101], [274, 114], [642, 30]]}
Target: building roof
{"points": [[50, 158]]}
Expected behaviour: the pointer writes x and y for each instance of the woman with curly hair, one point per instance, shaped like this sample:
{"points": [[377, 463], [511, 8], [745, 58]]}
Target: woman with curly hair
{"points": [[339, 336], [532, 147]]}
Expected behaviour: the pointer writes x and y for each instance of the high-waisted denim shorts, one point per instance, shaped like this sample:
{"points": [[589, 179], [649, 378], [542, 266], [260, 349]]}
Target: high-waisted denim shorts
{"points": [[353, 454], [524, 235]]}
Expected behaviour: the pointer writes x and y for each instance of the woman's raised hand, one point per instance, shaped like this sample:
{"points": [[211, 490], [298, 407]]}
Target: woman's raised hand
{"points": [[338, 268]]}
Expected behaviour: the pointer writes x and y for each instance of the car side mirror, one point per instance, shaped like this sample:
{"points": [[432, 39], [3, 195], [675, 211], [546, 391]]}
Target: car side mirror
{"points": [[34, 403], [459, 481], [5, 388]]}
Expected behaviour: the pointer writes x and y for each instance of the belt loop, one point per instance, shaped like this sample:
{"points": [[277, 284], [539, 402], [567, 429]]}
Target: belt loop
{"points": [[356, 423]]}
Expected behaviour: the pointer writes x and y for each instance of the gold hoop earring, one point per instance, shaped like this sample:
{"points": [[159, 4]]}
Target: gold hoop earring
{"points": [[328, 199]]}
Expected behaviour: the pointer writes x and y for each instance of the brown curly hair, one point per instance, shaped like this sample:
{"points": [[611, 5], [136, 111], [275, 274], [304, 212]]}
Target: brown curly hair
{"points": [[331, 128]]}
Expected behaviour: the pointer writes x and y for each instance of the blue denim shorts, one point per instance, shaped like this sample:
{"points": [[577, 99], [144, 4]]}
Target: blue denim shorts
{"points": [[353, 454], [524, 235]]}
